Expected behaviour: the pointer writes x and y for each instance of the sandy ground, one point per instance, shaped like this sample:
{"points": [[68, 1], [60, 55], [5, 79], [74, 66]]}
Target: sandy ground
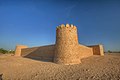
{"points": [[93, 68]]}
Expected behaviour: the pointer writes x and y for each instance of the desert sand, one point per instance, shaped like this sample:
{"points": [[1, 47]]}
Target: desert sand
{"points": [[93, 68]]}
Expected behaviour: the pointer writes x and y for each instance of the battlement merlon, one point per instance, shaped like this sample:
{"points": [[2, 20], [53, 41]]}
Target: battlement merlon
{"points": [[67, 26]]}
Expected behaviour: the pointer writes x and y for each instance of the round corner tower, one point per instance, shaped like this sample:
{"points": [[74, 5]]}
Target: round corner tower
{"points": [[66, 45]]}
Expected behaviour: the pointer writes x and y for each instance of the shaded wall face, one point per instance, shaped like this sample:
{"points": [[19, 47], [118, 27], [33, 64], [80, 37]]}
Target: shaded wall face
{"points": [[97, 49], [44, 53]]}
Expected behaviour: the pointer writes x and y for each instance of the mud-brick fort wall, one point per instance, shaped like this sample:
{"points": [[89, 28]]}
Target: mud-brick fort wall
{"points": [[66, 49], [45, 53], [97, 49], [84, 51], [18, 49]]}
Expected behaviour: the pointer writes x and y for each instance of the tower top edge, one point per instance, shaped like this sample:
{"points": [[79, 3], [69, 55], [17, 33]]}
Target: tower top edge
{"points": [[62, 26]]}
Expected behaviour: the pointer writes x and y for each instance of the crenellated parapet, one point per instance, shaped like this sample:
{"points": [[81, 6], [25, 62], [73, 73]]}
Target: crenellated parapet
{"points": [[67, 26], [66, 33]]}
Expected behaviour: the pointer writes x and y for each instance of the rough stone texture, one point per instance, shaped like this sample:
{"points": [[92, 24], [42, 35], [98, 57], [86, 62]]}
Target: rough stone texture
{"points": [[18, 49], [98, 50], [66, 50]]}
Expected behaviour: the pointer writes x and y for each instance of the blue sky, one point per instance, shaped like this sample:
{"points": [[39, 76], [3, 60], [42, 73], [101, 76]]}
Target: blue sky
{"points": [[33, 22]]}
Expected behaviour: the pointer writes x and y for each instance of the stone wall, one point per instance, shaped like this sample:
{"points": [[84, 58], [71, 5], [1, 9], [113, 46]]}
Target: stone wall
{"points": [[44, 53], [97, 49], [84, 51], [18, 49]]}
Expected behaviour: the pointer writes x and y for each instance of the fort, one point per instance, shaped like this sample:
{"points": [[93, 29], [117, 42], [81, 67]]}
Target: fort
{"points": [[66, 49]]}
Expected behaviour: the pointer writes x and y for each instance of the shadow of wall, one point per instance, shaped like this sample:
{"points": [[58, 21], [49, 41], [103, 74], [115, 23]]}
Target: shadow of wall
{"points": [[1, 76], [43, 53]]}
